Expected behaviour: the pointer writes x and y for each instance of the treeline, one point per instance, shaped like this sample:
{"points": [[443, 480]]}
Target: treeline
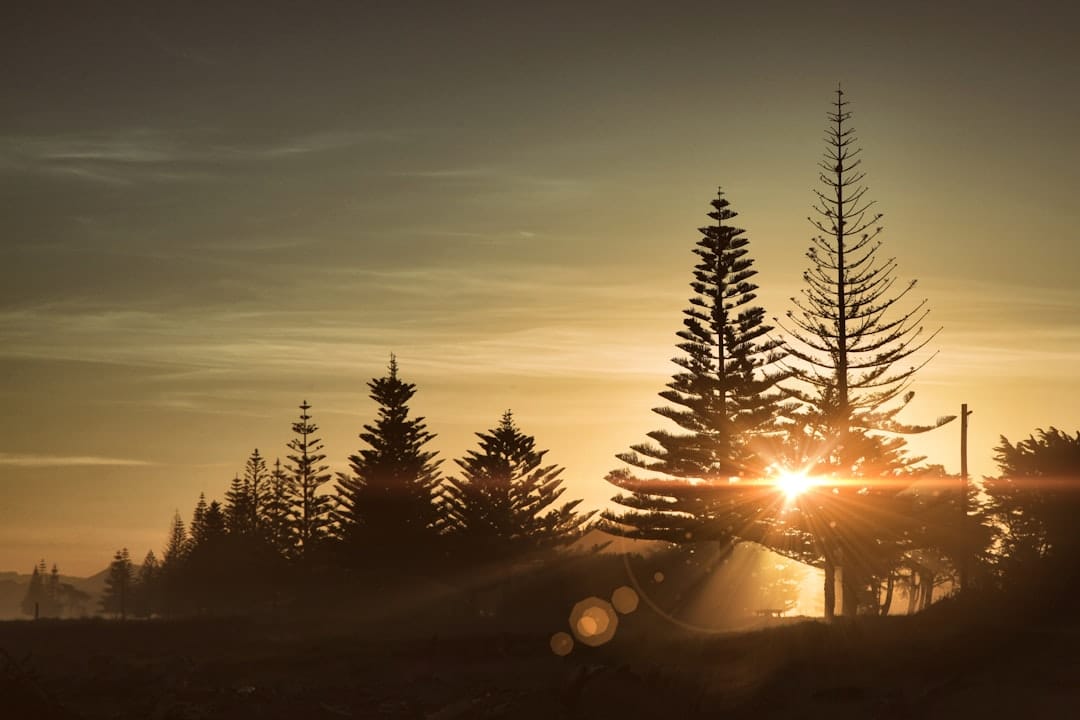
{"points": [[48, 596], [393, 513]]}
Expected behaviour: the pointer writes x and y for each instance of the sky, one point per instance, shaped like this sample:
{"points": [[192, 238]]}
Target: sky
{"points": [[210, 214]]}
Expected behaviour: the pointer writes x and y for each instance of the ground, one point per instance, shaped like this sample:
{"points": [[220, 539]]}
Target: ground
{"points": [[950, 662]]}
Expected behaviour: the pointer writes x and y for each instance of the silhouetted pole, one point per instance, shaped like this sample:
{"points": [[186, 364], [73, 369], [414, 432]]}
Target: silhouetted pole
{"points": [[965, 560]]}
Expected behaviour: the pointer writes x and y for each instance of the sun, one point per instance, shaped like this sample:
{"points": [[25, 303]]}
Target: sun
{"points": [[793, 484]]}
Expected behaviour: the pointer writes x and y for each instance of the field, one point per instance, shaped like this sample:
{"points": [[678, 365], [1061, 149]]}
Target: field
{"points": [[956, 660]]}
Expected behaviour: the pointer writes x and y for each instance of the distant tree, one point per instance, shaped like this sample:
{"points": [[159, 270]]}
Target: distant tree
{"points": [[197, 531], [35, 592], [246, 497], [505, 501], [208, 527], [311, 507], [387, 504], [172, 577], [118, 585], [848, 336], [724, 398], [238, 507], [209, 568], [177, 545], [147, 594], [54, 599], [276, 518]]}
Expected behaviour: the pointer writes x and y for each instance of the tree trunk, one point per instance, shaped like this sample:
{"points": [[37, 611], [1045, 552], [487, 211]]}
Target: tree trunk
{"points": [[849, 587], [830, 590], [887, 605], [928, 591]]}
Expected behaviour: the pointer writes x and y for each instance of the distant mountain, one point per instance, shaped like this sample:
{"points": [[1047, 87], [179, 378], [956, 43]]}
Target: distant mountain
{"points": [[13, 587]]}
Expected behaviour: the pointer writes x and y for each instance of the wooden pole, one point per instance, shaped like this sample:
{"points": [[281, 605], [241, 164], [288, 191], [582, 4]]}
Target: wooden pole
{"points": [[964, 560]]}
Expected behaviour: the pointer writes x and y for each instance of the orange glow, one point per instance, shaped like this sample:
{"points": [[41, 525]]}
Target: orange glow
{"points": [[794, 484]]}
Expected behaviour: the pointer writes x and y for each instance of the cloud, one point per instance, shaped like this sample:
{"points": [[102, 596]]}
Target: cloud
{"points": [[20, 460], [145, 154]]}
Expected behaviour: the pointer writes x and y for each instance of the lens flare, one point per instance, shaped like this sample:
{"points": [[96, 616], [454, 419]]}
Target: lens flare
{"points": [[794, 484]]}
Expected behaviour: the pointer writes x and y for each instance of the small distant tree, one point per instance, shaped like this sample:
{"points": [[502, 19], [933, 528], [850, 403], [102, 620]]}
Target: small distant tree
{"points": [[172, 580], [147, 587], [54, 599], [177, 545], [118, 585], [198, 530], [505, 500], [209, 567], [35, 592], [276, 519], [311, 507], [238, 505], [387, 504], [246, 497]]}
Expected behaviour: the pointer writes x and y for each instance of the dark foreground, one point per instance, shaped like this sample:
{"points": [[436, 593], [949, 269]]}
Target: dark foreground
{"points": [[946, 663]]}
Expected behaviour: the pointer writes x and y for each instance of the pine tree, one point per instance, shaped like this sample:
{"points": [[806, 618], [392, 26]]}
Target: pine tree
{"points": [[849, 336], [177, 545], [505, 500], [311, 508], [197, 531], [35, 592], [173, 580], [54, 606], [276, 519], [725, 400], [148, 587], [387, 505], [848, 330], [118, 585], [246, 496], [238, 505]]}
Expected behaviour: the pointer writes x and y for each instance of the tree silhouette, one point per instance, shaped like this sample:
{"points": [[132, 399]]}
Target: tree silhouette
{"points": [[386, 505], [35, 592], [505, 500], [724, 399], [1035, 503], [148, 587], [311, 509], [176, 546], [118, 585], [246, 497], [849, 335], [276, 520]]}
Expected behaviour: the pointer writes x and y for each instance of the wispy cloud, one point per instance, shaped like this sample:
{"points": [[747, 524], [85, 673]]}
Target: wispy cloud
{"points": [[146, 154], [18, 460]]}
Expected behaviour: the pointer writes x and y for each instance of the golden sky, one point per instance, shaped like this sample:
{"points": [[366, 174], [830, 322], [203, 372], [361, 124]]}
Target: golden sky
{"points": [[209, 216]]}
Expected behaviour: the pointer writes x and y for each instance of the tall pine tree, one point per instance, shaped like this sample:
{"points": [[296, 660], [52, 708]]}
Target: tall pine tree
{"points": [[849, 337], [724, 399], [387, 511], [311, 507]]}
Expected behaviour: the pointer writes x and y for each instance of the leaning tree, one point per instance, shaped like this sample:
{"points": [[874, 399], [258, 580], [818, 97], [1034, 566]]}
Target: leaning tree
{"points": [[853, 353]]}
